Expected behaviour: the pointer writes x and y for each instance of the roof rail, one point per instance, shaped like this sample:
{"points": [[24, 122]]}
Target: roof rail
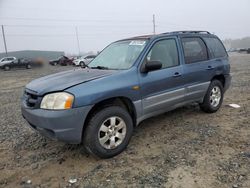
{"points": [[179, 32]]}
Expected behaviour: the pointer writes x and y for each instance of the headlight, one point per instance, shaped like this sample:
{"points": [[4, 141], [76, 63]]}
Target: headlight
{"points": [[57, 101]]}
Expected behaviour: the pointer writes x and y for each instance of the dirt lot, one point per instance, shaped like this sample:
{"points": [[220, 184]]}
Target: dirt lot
{"points": [[182, 148]]}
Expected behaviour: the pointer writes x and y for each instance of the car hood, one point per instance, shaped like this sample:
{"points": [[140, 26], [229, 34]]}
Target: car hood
{"points": [[63, 80]]}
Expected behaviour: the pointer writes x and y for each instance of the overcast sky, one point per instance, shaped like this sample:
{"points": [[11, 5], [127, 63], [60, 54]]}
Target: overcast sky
{"points": [[51, 24]]}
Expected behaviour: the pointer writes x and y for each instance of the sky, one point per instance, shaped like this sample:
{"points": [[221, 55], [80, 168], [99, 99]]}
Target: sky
{"points": [[55, 24]]}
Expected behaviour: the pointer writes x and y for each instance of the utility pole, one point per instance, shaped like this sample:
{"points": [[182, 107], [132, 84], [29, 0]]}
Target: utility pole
{"points": [[154, 24], [4, 41], [77, 38]]}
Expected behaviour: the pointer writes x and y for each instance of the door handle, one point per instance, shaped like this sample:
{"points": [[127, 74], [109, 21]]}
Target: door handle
{"points": [[176, 74], [210, 68]]}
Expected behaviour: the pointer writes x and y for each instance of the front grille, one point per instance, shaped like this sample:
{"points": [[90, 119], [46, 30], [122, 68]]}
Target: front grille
{"points": [[31, 99]]}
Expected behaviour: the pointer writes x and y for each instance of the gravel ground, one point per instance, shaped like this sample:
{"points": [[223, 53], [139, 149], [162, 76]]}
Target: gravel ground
{"points": [[182, 148]]}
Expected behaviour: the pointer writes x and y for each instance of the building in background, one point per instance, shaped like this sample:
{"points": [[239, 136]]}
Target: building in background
{"points": [[33, 54], [243, 43]]}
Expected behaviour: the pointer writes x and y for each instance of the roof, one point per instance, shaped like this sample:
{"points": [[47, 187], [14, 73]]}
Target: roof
{"points": [[146, 37], [142, 37], [188, 32]]}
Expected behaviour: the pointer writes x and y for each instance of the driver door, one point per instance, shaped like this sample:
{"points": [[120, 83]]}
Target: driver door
{"points": [[162, 89]]}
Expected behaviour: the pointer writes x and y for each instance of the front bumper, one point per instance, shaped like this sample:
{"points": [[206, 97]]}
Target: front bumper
{"points": [[76, 63], [63, 125]]}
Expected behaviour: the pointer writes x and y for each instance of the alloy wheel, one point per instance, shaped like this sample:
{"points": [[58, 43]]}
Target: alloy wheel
{"points": [[112, 132], [215, 96]]}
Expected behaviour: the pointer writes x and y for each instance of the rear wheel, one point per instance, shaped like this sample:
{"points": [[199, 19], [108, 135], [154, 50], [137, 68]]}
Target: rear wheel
{"points": [[213, 98], [108, 132], [28, 66]]}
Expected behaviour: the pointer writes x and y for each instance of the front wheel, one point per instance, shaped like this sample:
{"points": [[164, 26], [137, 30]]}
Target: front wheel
{"points": [[108, 132], [7, 68], [82, 64], [213, 98]]}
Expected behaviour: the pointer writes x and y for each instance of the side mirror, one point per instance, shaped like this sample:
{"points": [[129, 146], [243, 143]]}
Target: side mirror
{"points": [[151, 66]]}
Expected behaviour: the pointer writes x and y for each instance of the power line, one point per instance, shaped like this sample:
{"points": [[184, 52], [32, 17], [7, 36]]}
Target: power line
{"points": [[70, 20], [105, 21], [102, 27], [111, 21], [62, 35], [90, 26]]}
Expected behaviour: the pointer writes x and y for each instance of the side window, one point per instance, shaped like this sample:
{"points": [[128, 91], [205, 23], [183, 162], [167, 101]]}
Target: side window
{"points": [[166, 52], [194, 50], [9, 59], [215, 47], [89, 57]]}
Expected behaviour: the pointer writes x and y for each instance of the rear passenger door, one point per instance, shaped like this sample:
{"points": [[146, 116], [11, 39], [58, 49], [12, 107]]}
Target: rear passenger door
{"points": [[218, 55], [10, 61], [162, 89], [198, 69]]}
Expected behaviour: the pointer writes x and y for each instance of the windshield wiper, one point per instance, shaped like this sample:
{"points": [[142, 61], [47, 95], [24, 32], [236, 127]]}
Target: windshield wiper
{"points": [[100, 67]]}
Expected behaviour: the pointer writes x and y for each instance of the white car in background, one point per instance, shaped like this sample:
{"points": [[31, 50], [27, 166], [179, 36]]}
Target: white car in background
{"points": [[6, 60], [84, 60]]}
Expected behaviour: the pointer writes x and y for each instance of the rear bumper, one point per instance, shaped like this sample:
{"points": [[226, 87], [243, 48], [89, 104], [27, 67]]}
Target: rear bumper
{"points": [[63, 125], [228, 79]]}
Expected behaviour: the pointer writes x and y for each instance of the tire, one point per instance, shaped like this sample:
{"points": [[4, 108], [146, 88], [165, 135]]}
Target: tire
{"points": [[28, 66], [55, 64], [93, 133], [212, 101], [82, 64], [6, 68]]}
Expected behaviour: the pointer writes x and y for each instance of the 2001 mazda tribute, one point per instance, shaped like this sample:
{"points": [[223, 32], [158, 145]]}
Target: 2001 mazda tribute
{"points": [[129, 81]]}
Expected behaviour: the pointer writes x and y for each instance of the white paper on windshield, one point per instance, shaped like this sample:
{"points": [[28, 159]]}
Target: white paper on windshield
{"points": [[137, 42]]}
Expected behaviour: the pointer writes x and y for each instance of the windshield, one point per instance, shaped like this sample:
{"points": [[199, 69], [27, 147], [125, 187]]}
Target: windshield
{"points": [[119, 55]]}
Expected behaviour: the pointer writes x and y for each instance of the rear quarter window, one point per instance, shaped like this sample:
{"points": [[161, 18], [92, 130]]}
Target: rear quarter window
{"points": [[215, 47], [194, 50]]}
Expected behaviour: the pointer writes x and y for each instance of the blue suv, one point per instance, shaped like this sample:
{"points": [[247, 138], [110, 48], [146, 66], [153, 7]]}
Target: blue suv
{"points": [[129, 81]]}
